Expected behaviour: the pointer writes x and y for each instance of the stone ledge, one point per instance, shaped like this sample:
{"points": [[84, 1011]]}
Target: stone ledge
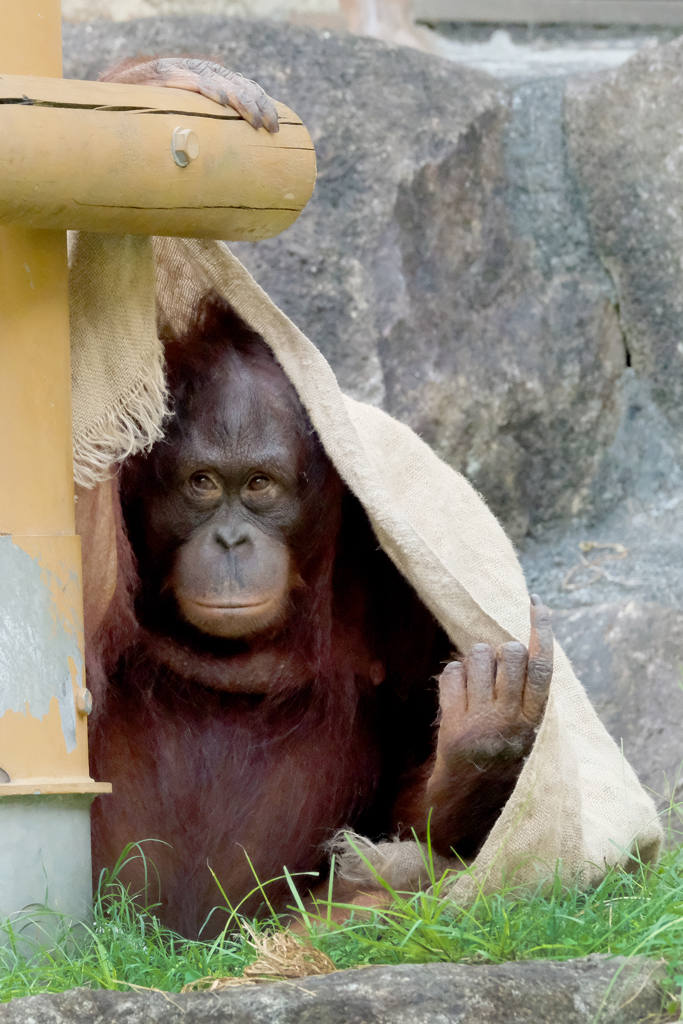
{"points": [[570, 992]]}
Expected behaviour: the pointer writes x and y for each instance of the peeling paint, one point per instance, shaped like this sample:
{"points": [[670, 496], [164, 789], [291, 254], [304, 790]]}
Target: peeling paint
{"points": [[38, 648]]}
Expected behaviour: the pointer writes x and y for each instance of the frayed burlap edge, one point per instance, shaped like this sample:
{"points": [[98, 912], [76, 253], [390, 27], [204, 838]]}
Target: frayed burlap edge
{"points": [[131, 427], [403, 865], [119, 394]]}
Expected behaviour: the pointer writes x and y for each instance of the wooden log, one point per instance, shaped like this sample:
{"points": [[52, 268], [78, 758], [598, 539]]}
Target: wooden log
{"points": [[97, 156]]}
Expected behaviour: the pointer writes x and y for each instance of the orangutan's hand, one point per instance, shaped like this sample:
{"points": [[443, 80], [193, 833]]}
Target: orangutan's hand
{"points": [[211, 80], [491, 704]]}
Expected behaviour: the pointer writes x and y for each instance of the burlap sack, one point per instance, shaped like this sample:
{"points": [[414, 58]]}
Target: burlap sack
{"points": [[118, 387], [577, 803]]}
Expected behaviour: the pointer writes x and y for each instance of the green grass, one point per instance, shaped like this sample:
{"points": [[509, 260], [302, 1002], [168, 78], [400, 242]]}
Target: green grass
{"points": [[638, 913]]}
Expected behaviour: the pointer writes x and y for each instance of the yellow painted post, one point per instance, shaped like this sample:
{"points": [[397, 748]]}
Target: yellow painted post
{"points": [[96, 157], [45, 788]]}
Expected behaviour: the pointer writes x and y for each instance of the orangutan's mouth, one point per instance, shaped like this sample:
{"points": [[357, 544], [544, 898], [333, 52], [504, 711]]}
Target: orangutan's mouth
{"points": [[232, 607]]}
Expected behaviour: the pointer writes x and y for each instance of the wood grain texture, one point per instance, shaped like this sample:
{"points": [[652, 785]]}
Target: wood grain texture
{"points": [[97, 157]]}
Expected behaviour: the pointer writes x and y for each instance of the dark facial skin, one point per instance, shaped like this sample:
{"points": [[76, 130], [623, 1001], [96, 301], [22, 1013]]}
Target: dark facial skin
{"points": [[230, 502]]}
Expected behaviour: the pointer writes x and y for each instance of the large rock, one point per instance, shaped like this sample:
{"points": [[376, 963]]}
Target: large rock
{"points": [[575, 992], [629, 655], [621, 620], [443, 265], [624, 130]]}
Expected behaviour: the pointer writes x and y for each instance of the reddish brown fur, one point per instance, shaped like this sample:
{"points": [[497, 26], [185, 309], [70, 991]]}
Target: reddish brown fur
{"points": [[217, 773], [241, 754]]}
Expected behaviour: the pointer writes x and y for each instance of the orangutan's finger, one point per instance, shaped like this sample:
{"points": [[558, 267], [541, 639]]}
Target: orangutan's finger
{"points": [[232, 94], [268, 113], [244, 96], [228, 88], [453, 691], [511, 665], [540, 666], [480, 666]]}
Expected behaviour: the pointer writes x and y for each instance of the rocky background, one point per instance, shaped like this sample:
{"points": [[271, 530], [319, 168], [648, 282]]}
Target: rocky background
{"points": [[499, 263]]}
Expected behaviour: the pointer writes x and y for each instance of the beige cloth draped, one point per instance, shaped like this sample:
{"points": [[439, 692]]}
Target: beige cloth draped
{"points": [[577, 801]]}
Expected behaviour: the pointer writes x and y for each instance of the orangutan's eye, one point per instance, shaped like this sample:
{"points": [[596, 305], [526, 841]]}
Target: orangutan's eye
{"points": [[259, 482], [202, 483]]}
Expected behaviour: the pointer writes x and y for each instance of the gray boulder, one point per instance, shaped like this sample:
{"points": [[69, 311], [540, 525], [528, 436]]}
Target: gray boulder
{"points": [[621, 619], [444, 265], [616, 991], [624, 132], [629, 655]]}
